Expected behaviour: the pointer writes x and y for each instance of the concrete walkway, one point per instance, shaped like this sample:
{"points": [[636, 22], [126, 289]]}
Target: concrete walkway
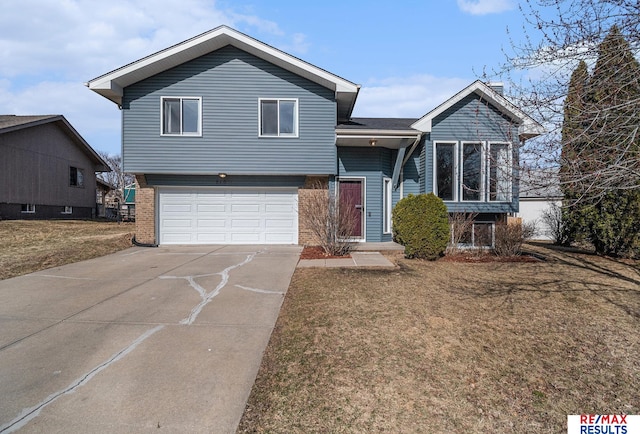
{"points": [[145, 340], [357, 259], [364, 255]]}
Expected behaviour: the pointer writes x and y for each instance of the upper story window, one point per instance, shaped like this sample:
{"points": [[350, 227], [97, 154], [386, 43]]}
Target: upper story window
{"points": [[181, 116], [76, 177], [278, 117], [473, 171]]}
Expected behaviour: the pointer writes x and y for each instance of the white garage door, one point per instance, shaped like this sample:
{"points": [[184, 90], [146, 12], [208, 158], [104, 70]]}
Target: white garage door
{"points": [[228, 216]]}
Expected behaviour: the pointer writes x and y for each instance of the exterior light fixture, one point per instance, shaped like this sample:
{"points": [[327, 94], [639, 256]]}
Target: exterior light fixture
{"points": [[372, 142], [222, 175]]}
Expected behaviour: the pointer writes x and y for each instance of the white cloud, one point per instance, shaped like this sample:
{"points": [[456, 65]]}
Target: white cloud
{"points": [[49, 49], [412, 96], [484, 7]]}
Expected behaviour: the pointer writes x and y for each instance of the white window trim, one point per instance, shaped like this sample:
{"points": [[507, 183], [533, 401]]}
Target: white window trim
{"points": [[67, 210], [455, 187], [510, 166], [473, 236], [31, 208], [296, 119], [483, 169], [182, 134], [387, 199]]}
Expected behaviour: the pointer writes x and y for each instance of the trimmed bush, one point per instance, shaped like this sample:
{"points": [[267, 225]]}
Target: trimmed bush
{"points": [[421, 225]]}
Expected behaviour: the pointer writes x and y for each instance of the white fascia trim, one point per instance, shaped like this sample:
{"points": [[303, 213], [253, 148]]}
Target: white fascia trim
{"points": [[111, 84], [527, 126], [365, 134]]}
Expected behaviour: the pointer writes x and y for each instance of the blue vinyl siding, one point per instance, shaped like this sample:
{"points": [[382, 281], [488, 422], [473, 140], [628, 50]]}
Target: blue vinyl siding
{"points": [[229, 181], [373, 164], [411, 174], [472, 119], [230, 82]]}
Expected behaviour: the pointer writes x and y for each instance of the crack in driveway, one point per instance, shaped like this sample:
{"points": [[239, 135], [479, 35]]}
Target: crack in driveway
{"points": [[29, 414]]}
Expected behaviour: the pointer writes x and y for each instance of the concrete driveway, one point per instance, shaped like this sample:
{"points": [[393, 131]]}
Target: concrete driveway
{"points": [[164, 339]]}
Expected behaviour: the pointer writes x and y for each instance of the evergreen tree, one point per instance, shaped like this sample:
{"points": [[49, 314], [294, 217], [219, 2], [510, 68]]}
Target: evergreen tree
{"points": [[598, 118], [572, 145]]}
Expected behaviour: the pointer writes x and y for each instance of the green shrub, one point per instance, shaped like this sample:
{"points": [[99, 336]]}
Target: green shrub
{"points": [[421, 225]]}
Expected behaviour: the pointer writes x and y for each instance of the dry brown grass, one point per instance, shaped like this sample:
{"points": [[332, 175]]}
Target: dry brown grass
{"points": [[28, 246], [452, 347]]}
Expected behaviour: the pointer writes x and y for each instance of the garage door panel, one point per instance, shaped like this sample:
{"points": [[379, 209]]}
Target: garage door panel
{"points": [[245, 224], [228, 216], [279, 238], [211, 223], [245, 207], [177, 208], [210, 207], [177, 223], [274, 223]]}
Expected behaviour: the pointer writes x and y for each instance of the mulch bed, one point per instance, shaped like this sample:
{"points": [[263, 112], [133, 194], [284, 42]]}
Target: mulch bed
{"points": [[316, 252]]}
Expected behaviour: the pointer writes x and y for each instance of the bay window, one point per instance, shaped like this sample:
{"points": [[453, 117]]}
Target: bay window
{"points": [[472, 171]]}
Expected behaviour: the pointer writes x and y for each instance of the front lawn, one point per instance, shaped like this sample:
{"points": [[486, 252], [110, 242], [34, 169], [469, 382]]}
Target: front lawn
{"points": [[31, 245], [452, 347]]}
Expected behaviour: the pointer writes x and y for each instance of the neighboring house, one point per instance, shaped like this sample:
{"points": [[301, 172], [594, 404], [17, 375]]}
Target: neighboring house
{"points": [[47, 169], [226, 135], [540, 194], [103, 189], [129, 205]]}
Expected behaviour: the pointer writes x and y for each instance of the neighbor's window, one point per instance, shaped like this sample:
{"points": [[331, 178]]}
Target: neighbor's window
{"points": [[386, 216], [445, 170], [67, 210], [472, 171], [28, 208], [76, 177], [181, 116], [278, 117], [499, 172]]}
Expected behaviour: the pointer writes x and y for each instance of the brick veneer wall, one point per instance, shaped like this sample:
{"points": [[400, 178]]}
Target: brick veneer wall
{"points": [[312, 185], [145, 211]]}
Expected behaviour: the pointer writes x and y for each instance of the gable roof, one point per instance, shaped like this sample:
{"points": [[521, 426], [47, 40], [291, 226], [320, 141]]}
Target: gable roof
{"points": [[111, 84], [10, 123], [527, 126]]}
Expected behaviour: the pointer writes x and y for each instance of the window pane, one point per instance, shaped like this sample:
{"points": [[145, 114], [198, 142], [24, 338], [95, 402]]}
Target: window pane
{"points": [[287, 117], [171, 119], [80, 178], [483, 235], [190, 116], [472, 171], [445, 170], [499, 173], [73, 176], [269, 118]]}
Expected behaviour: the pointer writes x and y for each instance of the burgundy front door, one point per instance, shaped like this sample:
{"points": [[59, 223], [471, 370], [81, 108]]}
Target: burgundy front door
{"points": [[351, 196]]}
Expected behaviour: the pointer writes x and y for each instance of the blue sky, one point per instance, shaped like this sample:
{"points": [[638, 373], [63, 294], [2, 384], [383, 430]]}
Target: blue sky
{"points": [[408, 56]]}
